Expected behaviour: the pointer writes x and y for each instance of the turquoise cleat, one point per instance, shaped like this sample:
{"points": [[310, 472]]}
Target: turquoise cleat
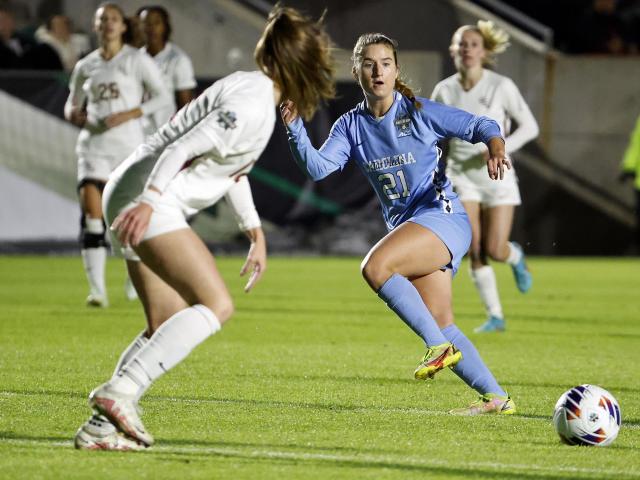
{"points": [[493, 324], [521, 273]]}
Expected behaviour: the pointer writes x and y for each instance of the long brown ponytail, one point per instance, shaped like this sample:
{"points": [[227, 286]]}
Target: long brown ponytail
{"points": [[295, 52]]}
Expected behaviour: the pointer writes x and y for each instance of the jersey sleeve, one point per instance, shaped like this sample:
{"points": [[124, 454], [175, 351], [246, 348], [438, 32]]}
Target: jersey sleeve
{"points": [[332, 156], [447, 122], [240, 199], [152, 80], [77, 95], [517, 109], [216, 134], [183, 76]]}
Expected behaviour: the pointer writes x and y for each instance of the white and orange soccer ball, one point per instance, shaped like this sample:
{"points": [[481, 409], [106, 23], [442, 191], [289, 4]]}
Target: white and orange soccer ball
{"points": [[587, 415]]}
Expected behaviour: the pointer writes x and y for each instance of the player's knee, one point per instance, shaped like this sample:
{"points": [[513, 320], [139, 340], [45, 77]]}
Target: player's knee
{"points": [[92, 234], [223, 308], [494, 251], [375, 271]]}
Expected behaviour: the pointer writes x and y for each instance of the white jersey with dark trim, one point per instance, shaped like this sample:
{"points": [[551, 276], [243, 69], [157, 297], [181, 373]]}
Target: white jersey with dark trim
{"points": [[219, 134], [494, 96], [177, 74], [112, 86]]}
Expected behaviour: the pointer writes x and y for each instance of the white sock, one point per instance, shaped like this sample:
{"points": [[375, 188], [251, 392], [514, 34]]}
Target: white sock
{"points": [[125, 356], [130, 351], [135, 346], [167, 347], [94, 261], [515, 254], [484, 278]]}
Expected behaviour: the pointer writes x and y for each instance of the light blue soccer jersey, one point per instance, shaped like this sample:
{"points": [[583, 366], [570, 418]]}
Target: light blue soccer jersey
{"points": [[398, 153]]}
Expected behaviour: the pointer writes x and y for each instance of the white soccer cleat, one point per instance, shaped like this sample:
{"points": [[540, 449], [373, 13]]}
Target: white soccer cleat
{"points": [[96, 300], [99, 434], [121, 411]]}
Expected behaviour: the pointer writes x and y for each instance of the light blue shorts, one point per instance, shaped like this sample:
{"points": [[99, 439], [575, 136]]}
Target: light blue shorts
{"points": [[453, 229]]}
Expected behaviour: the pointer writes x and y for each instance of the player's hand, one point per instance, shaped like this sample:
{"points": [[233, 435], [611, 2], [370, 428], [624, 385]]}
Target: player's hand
{"points": [[256, 262], [131, 225], [497, 159], [496, 165], [288, 111], [78, 117]]}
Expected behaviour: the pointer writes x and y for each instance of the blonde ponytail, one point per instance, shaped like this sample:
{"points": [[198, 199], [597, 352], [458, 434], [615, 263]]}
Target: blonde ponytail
{"points": [[494, 40]]}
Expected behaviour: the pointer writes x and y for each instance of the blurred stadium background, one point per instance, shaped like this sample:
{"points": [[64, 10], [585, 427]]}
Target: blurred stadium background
{"points": [[586, 104]]}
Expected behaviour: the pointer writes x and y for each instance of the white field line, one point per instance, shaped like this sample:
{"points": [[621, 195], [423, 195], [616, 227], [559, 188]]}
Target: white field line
{"points": [[383, 461]]}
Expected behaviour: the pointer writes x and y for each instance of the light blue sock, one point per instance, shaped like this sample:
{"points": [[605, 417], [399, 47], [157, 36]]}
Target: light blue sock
{"points": [[402, 297], [471, 368]]}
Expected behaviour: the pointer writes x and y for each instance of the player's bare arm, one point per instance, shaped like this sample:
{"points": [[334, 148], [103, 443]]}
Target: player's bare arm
{"points": [[119, 118]]}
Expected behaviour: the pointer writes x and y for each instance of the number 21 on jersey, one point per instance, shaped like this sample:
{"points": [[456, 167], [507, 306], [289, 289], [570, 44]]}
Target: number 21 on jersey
{"points": [[390, 185]]}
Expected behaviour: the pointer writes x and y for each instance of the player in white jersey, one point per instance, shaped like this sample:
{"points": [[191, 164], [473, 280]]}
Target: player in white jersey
{"points": [[201, 155], [174, 63], [490, 205], [105, 100]]}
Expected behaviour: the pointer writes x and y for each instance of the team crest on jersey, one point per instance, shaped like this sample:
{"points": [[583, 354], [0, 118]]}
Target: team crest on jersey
{"points": [[227, 120], [485, 102], [403, 125]]}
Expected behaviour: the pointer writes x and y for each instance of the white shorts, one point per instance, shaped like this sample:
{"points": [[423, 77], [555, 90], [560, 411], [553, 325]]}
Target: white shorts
{"points": [[121, 193], [474, 185], [96, 167]]}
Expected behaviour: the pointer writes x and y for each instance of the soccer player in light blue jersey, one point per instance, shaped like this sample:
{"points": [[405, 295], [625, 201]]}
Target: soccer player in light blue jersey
{"points": [[393, 137]]}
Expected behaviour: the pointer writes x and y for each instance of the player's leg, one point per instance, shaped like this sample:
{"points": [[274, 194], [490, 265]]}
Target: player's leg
{"points": [[94, 246], [185, 301], [130, 290], [481, 272], [410, 251], [98, 433], [499, 220], [116, 404], [436, 291]]}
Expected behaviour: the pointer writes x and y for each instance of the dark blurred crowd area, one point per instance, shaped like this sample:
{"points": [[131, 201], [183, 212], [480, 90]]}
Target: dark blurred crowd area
{"points": [[604, 27], [40, 40], [45, 39]]}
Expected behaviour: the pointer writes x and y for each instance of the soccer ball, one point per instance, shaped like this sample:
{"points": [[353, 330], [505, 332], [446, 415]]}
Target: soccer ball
{"points": [[587, 415]]}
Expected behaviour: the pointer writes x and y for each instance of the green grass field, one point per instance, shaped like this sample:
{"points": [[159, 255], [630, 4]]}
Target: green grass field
{"points": [[312, 378]]}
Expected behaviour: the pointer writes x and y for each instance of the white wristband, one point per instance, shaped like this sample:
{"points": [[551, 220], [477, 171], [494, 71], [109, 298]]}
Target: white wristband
{"points": [[150, 197]]}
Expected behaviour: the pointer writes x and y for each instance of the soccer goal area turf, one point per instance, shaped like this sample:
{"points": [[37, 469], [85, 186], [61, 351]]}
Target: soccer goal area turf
{"points": [[313, 377]]}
